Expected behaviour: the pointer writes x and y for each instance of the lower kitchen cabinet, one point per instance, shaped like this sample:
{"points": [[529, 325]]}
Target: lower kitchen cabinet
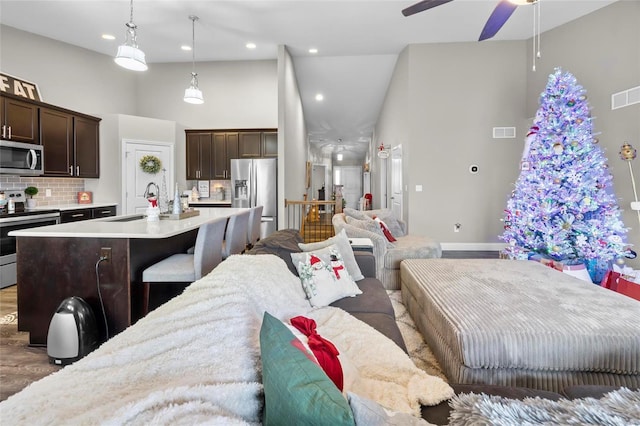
{"points": [[86, 214]]}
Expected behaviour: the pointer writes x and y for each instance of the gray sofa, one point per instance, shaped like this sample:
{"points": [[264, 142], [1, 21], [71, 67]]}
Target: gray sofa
{"points": [[374, 308], [388, 255]]}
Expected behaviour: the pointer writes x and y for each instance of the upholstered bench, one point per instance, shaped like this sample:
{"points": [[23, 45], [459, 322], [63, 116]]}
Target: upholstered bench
{"points": [[519, 323]]}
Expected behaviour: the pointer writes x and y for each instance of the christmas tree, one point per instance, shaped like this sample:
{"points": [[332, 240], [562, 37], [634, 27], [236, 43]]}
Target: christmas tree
{"points": [[563, 206]]}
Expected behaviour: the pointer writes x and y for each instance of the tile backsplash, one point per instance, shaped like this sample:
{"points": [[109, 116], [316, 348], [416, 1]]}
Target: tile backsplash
{"points": [[63, 190], [214, 192]]}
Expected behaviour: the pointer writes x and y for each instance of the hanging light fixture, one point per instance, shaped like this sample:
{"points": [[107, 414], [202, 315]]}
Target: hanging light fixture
{"points": [[129, 56], [193, 94]]}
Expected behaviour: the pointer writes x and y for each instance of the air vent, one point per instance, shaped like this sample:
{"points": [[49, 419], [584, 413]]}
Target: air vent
{"points": [[625, 98], [504, 132]]}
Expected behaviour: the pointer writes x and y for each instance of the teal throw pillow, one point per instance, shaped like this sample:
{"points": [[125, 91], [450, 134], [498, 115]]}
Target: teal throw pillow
{"points": [[296, 390]]}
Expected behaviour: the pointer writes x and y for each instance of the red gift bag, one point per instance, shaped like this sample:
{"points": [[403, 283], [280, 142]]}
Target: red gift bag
{"points": [[618, 283]]}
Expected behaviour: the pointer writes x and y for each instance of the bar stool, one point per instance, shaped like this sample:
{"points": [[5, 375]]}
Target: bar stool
{"points": [[255, 219], [186, 267], [235, 239]]}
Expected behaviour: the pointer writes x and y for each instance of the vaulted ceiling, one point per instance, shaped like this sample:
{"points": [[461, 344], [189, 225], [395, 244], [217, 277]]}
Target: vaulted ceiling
{"points": [[358, 42]]}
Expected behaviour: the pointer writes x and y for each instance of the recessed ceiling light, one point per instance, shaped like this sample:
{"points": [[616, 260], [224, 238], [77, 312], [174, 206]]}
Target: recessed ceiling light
{"points": [[185, 47], [313, 50], [108, 37], [319, 97], [251, 45]]}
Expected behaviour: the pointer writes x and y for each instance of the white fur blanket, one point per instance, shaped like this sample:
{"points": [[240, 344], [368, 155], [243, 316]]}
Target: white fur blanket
{"points": [[196, 359]]}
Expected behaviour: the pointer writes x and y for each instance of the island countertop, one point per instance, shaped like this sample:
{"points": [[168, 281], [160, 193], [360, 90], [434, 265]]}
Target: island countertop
{"points": [[127, 226]]}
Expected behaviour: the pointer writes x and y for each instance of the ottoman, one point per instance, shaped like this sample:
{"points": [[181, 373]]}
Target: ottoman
{"points": [[520, 323]]}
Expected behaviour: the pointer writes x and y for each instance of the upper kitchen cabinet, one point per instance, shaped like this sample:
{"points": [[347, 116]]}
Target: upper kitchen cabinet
{"points": [[269, 144], [199, 150], [71, 143], [19, 120], [225, 148], [249, 145]]}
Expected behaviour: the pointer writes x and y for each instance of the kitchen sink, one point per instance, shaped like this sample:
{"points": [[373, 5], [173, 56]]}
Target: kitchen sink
{"points": [[127, 218]]}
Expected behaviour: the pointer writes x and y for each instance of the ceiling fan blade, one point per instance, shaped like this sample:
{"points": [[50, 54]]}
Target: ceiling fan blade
{"points": [[498, 17], [423, 5]]}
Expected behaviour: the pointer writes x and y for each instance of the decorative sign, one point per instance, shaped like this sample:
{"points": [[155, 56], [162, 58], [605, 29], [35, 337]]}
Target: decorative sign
{"points": [[19, 87], [85, 197]]}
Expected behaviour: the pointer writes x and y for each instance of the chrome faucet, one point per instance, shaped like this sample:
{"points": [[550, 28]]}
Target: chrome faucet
{"points": [[148, 193]]}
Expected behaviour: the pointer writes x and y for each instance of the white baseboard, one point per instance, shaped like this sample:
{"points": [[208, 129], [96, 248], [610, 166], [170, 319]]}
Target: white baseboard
{"points": [[473, 246]]}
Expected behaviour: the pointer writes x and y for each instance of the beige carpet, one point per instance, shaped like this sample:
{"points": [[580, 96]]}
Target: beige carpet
{"points": [[419, 352]]}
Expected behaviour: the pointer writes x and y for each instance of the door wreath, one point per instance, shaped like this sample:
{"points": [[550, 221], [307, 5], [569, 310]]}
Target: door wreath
{"points": [[150, 164]]}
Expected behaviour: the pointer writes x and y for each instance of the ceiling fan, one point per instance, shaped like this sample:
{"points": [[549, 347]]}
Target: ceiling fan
{"points": [[498, 17]]}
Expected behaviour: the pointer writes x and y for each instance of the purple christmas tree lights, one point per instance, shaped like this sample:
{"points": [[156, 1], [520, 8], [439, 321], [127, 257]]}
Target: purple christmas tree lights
{"points": [[563, 206]]}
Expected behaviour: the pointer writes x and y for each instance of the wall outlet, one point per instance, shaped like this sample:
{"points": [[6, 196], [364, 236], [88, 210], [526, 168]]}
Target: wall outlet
{"points": [[47, 192], [456, 227], [105, 253]]}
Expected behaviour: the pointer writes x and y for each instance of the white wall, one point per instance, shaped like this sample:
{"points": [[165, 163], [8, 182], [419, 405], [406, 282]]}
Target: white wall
{"points": [[441, 106], [292, 136], [392, 129], [237, 94], [68, 76]]}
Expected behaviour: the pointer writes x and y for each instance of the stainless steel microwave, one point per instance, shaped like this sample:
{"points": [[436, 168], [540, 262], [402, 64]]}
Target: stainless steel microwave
{"points": [[17, 158]]}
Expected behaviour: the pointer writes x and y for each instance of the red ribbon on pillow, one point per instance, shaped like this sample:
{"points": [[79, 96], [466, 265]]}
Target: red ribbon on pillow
{"points": [[325, 352], [385, 230]]}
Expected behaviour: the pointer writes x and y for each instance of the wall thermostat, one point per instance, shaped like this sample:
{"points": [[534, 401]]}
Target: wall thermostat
{"points": [[473, 169]]}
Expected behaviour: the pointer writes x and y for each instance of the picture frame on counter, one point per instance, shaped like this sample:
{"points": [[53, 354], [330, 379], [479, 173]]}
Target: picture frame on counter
{"points": [[85, 197], [203, 188]]}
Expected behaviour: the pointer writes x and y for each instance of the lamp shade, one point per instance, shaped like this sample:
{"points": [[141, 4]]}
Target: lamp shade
{"points": [[131, 58], [193, 95]]}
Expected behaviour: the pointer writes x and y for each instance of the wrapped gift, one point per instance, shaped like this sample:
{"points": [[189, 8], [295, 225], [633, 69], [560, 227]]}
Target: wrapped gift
{"points": [[622, 284], [578, 270]]}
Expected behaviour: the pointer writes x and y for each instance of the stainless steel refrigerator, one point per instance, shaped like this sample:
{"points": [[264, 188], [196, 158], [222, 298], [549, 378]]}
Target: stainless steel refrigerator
{"points": [[254, 183]]}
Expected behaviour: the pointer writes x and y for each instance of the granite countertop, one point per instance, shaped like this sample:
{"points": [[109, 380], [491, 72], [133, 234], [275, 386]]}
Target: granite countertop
{"points": [[126, 226]]}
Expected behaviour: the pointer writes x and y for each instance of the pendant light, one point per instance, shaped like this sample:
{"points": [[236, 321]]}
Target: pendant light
{"points": [[129, 56], [193, 94]]}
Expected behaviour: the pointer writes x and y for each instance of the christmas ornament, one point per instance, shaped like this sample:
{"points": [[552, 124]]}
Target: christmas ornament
{"points": [[558, 148]]}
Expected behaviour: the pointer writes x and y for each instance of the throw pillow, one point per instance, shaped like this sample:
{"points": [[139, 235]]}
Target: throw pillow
{"points": [[296, 390], [344, 246], [390, 220], [385, 230], [324, 277], [356, 214], [368, 225], [350, 373], [323, 350], [370, 413]]}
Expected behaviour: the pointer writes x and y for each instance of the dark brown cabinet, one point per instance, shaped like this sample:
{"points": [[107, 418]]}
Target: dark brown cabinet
{"points": [[225, 148], [249, 145], [269, 144], [71, 144], [19, 120], [77, 215], [199, 152], [209, 152]]}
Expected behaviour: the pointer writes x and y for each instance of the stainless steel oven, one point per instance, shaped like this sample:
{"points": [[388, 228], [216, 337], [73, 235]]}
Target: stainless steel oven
{"points": [[20, 219]]}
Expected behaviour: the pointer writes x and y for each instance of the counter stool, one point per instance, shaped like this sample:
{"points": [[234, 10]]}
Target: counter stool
{"points": [[186, 267], [235, 239], [255, 219]]}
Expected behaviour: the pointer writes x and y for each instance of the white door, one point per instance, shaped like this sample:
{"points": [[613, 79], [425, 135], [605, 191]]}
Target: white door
{"points": [[135, 180], [396, 181], [351, 179]]}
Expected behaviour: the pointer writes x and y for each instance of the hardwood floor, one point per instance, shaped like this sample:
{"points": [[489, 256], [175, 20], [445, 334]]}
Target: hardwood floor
{"points": [[21, 364]]}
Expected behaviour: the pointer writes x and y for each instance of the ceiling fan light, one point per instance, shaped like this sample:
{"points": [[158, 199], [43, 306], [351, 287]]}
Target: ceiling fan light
{"points": [[521, 2], [339, 157], [131, 58]]}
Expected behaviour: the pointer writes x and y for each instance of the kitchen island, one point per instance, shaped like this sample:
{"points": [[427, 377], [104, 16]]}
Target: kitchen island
{"points": [[59, 261]]}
